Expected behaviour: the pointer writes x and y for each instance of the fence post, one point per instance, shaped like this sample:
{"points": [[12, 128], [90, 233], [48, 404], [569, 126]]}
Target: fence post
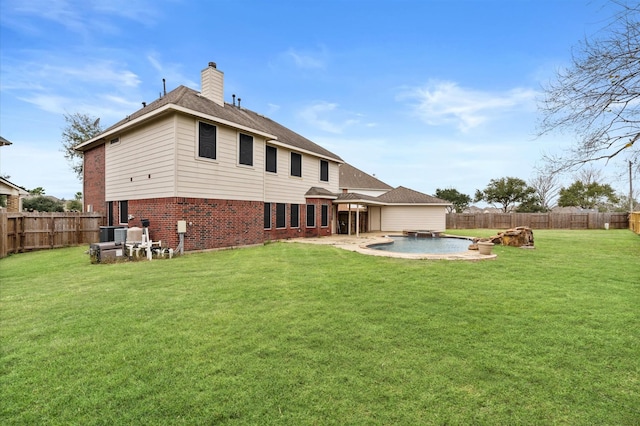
{"points": [[77, 223], [21, 236], [4, 234]]}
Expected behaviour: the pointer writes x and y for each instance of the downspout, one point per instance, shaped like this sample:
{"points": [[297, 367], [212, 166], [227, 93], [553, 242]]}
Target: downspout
{"points": [[264, 183]]}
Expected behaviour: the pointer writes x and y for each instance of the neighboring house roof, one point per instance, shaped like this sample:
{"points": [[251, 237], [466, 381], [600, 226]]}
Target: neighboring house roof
{"points": [[4, 142], [402, 195], [8, 188], [190, 101], [353, 178]]}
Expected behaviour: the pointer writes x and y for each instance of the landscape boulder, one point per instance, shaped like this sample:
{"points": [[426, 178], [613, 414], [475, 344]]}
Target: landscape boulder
{"points": [[521, 236]]}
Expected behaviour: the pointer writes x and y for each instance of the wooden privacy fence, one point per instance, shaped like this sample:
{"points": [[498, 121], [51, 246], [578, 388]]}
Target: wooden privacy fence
{"points": [[537, 220], [36, 231], [634, 222]]}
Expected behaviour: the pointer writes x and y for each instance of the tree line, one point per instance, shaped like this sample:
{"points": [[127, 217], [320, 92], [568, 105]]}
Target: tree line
{"points": [[541, 194], [39, 202]]}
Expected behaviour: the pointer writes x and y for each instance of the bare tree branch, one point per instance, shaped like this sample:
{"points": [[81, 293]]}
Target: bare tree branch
{"points": [[597, 97]]}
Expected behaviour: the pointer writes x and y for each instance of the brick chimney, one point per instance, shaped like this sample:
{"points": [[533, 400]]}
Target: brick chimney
{"points": [[213, 84]]}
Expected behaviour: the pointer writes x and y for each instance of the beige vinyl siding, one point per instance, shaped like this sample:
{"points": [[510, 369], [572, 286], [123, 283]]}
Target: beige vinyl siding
{"points": [[369, 192], [222, 178], [141, 164], [283, 188], [398, 218], [374, 218]]}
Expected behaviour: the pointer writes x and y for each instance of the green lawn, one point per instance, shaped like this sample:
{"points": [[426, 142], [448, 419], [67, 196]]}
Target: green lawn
{"points": [[303, 334]]}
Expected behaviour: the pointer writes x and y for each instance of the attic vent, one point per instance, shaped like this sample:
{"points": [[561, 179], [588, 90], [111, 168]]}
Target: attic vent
{"points": [[114, 141]]}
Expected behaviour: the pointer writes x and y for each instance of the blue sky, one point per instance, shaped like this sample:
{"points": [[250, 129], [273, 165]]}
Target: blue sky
{"points": [[422, 93]]}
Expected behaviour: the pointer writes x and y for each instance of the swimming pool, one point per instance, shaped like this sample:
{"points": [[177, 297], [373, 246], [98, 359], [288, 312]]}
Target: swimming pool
{"points": [[423, 245]]}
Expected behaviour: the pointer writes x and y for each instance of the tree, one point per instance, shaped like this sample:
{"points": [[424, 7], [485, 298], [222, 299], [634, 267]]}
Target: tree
{"points": [[459, 200], [531, 204], [42, 204], [598, 96], [625, 204], [546, 186], [37, 191], [76, 203], [505, 191], [588, 196], [79, 128], [588, 175]]}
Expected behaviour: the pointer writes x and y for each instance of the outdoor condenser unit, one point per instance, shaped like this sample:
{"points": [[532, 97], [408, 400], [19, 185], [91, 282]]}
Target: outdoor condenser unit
{"points": [[120, 235]]}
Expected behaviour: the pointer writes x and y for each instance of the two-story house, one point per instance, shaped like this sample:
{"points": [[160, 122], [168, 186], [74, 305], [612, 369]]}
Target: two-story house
{"points": [[234, 176]]}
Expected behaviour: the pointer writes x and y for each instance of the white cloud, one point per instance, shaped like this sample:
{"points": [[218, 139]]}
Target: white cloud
{"points": [[62, 12], [144, 12], [307, 60], [272, 108], [63, 72], [49, 103], [78, 16], [172, 72], [445, 102], [327, 117], [103, 88]]}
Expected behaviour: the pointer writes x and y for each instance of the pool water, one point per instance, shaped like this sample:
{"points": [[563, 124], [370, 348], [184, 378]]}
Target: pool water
{"points": [[424, 245]]}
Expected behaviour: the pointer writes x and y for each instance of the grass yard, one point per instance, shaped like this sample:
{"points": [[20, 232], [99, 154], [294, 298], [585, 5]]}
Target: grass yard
{"points": [[304, 334]]}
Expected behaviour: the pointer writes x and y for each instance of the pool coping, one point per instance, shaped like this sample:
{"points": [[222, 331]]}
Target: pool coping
{"points": [[360, 244]]}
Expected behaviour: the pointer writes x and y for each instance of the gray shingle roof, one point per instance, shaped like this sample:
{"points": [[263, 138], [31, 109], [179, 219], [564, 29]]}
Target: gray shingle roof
{"points": [[316, 191], [357, 198], [353, 178], [192, 100], [399, 195], [402, 195]]}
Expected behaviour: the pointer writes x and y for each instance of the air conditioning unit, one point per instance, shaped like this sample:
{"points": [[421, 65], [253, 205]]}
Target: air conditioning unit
{"points": [[120, 235]]}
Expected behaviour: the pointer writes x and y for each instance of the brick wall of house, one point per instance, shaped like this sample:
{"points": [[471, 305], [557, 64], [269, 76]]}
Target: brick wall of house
{"points": [[94, 170], [210, 223], [13, 203], [318, 230], [219, 223], [287, 232]]}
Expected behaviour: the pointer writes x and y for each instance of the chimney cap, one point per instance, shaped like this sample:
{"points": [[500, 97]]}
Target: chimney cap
{"points": [[212, 65]]}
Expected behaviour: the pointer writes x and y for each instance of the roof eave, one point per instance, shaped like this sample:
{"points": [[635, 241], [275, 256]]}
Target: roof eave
{"points": [[361, 201], [418, 204], [98, 140], [324, 197]]}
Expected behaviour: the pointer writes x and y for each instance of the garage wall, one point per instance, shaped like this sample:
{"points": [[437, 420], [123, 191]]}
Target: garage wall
{"points": [[374, 218], [399, 218]]}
